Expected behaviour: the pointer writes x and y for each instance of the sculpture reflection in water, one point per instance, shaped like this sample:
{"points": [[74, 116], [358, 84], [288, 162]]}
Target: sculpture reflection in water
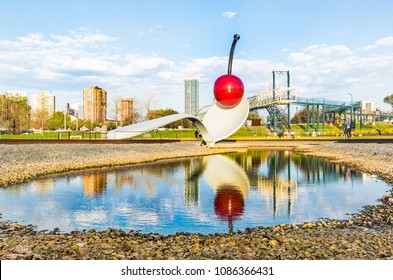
{"points": [[274, 181], [231, 177], [231, 186], [202, 194]]}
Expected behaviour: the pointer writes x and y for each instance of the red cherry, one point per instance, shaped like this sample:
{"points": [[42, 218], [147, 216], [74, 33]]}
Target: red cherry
{"points": [[228, 90], [228, 203]]}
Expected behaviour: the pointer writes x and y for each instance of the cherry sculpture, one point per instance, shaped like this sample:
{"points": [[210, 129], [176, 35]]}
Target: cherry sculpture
{"points": [[221, 120], [229, 89]]}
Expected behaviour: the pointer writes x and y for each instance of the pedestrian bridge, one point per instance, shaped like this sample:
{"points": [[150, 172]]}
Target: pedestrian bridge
{"points": [[271, 100], [280, 96]]}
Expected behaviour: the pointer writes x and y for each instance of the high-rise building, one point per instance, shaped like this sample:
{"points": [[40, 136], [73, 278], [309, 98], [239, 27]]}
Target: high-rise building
{"points": [[43, 103], [191, 182], [127, 110], [78, 107], [367, 107], [94, 104], [94, 184], [191, 96]]}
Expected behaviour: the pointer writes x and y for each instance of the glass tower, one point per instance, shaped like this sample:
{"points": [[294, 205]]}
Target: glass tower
{"points": [[191, 96]]}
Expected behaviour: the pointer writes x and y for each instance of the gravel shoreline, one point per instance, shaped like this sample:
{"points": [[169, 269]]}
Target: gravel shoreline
{"points": [[367, 235]]}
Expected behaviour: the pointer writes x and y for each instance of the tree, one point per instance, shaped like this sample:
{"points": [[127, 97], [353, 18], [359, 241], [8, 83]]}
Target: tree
{"points": [[74, 125], [40, 116], [3, 112], [148, 104], [301, 116], [389, 100], [17, 112], [253, 115], [57, 121], [138, 110], [142, 107], [155, 114], [115, 109]]}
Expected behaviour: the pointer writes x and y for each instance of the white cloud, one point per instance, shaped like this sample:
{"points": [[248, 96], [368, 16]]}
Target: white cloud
{"points": [[65, 64], [336, 50], [229, 14], [167, 75], [331, 71], [300, 57], [326, 50], [68, 63], [138, 64], [81, 39], [383, 42]]}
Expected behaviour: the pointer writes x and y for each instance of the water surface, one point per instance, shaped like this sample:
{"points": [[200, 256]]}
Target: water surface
{"points": [[218, 193]]}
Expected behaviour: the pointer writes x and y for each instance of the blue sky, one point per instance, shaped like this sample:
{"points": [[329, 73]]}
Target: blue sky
{"points": [[147, 48]]}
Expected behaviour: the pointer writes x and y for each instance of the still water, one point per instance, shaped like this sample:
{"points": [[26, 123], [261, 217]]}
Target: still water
{"points": [[218, 193]]}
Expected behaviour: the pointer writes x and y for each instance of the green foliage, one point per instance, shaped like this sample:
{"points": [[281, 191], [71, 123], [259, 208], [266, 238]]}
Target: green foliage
{"points": [[15, 112], [253, 115], [46, 135], [250, 132], [52, 135], [57, 121], [389, 100], [169, 134], [155, 114], [110, 125], [74, 126], [301, 116]]}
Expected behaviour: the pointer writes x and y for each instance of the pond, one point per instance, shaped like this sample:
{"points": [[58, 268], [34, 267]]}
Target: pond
{"points": [[209, 194]]}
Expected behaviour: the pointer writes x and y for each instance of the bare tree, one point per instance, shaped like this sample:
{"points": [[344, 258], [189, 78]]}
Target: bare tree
{"points": [[138, 110], [115, 109], [149, 103], [39, 118], [143, 106]]}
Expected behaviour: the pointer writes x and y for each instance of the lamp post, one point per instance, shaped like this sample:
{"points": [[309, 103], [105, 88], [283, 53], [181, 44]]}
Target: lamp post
{"points": [[351, 98], [351, 103], [352, 117]]}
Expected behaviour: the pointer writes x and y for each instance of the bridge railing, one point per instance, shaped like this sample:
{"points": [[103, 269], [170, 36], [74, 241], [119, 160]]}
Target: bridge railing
{"points": [[327, 102], [265, 99]]}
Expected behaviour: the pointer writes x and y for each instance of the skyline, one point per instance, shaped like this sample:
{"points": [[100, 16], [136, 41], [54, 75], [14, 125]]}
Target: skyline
{"points": [[137, 48]]}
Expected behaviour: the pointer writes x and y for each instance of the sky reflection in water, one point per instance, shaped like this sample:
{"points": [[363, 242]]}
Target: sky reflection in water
{"points": [[204, 194]]}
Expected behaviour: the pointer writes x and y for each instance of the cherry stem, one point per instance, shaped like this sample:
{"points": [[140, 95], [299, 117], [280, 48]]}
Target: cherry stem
{"points": [[236, 37]]}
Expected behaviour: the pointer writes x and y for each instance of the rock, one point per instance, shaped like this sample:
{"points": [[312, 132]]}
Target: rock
{"points": [[273, 243], [366, 235]]}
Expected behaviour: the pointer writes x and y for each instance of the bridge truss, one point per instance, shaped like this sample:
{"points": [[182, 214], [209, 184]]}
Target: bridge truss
{"points": [[319, 110], [277, 101]]}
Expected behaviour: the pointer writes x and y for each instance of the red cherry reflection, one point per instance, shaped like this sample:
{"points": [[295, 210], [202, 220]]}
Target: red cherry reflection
{"points": [[228, 203], [228, 90]]}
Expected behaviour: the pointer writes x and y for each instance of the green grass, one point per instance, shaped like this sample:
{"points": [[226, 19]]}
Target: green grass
{"points": [[244, 133], [333, 130], [169, 134], [48, 135], [250, 132]]}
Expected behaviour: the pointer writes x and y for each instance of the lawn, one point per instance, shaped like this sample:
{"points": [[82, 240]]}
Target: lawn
{"points": [[52, 135], [244, 133]]}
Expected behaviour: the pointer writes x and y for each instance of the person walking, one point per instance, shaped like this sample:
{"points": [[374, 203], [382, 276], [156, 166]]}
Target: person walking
{"points": [[347, 128]]}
